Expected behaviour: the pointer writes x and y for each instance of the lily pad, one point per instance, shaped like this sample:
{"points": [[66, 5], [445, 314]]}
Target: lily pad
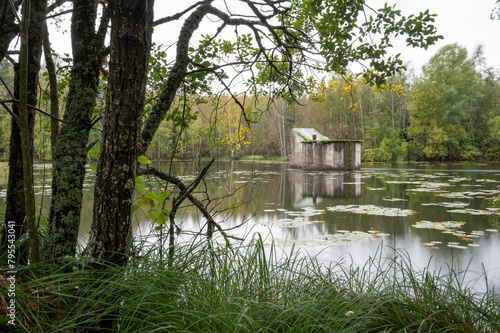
{"points": [[371, 210]]}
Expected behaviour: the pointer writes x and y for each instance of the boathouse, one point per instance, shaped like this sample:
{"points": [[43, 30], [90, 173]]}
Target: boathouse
{"points": [[313, 151]]}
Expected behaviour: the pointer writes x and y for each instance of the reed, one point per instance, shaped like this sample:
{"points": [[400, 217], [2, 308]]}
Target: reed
{"points": [[252, 288]]}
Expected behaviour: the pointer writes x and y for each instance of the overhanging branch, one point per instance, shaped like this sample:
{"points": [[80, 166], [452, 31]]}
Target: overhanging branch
{"points": [[186, 193]]}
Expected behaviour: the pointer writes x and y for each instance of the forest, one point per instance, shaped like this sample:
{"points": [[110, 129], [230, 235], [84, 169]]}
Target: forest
{"points": [[449, 111]]}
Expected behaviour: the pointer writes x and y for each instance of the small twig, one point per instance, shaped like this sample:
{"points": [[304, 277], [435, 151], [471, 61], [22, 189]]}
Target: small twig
{"points": [[14, 116], [176, 16], [7, 87], [49, 115]]}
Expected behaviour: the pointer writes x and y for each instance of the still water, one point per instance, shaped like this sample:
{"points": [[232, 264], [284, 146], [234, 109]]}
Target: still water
{"points": [[441, 215]]}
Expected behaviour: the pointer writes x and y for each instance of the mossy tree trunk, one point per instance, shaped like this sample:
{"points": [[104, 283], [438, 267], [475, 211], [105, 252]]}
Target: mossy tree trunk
{"points": [[16, 195], [131, 32], [8, 26], [71, 149], [27, 137]]}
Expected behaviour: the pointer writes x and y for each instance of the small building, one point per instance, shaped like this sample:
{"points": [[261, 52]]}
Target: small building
{"points": [[314, 151]]}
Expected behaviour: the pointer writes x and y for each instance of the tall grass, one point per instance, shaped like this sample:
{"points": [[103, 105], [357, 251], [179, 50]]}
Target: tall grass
{"points": [[252, 288]]}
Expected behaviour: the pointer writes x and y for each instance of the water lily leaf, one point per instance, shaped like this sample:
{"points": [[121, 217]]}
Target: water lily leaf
{"points": [[371, 210]]}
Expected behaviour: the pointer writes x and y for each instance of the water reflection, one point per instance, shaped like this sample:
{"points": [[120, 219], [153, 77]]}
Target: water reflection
{"points": [[295, 207], [309, 188]]}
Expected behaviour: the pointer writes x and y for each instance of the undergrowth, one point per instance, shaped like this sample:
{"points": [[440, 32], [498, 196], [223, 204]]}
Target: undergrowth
{"points": [[249, 288]]}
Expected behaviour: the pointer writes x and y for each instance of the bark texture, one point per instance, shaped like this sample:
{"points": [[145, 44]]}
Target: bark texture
{"points": [[131, 31], [54, 94], [15, 200], [8, 26]]}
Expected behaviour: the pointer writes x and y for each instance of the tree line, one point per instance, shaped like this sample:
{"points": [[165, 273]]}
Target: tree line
{"points": [[448, 112]]}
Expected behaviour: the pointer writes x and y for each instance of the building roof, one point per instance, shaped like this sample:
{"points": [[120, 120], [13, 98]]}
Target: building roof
{"points": [[307, 134]]}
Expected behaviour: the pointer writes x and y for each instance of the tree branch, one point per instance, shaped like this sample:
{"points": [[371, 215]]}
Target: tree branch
{"points": [[176, 16], [176, 77], [186, 193], [47, 114], [13, 115], [56, 4]]}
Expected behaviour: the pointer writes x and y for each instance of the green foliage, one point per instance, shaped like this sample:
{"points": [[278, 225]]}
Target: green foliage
{"points": [[447, 108], [338, 30], [153, 203], [391, 148], [449, 113], [252, 288], [143, 160], [94, 156]]}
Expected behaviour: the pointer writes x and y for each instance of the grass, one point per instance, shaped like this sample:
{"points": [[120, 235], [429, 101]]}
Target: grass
{"points": [[252, 288], [262, 158]]}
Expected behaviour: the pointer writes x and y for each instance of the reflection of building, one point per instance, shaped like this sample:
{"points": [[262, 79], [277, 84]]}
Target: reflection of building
{"points": [[309, 188], [312, 150]]}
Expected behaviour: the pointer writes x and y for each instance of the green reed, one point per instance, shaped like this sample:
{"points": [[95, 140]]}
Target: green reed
{"points": [[210, 287]]}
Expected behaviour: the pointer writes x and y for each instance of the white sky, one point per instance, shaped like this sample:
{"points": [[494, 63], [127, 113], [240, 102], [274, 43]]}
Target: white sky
{"points": [[464, 22]]}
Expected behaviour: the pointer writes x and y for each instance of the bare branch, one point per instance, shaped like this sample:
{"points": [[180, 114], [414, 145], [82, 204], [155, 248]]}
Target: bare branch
{"points": [[60, 14], [14, 116], [176, 77], [177, 182], [176, 16], [48, 114], [55, 5]]}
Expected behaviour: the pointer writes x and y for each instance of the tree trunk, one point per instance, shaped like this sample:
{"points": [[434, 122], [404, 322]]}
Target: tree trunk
{"points": [[54, 95], [8, 26], [131, 31], [175, 78], [361, 117], [15, 203], [27, 137], [71, 149], [392, 110], [15, 200]]}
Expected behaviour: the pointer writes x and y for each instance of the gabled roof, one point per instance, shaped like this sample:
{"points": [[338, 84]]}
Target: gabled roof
{"points": [[307, 134]]}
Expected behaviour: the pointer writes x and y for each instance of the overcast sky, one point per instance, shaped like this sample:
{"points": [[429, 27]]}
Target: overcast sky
{"points": [[464, 22]]}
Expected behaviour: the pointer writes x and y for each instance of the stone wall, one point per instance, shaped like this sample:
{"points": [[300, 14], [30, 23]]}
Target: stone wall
{"points": [[325, 154]]}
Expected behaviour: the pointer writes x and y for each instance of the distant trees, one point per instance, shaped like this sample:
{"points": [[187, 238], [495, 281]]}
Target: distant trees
{"points": [[449, 112], [449, 107]]}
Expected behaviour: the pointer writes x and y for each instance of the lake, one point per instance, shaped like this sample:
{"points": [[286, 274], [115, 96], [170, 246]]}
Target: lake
{"points": [[440, 214]]}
